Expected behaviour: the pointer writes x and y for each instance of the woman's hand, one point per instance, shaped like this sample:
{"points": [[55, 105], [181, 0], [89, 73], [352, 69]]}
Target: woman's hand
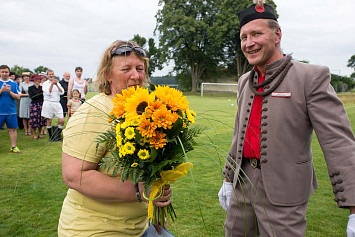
{"points": [[164, 199]]}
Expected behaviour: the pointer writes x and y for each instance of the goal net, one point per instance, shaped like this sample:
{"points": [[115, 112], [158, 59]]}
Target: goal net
{"points": [[219, 87]]}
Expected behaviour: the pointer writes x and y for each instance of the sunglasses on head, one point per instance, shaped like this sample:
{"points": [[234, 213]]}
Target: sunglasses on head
{"points": [[126, 50]]}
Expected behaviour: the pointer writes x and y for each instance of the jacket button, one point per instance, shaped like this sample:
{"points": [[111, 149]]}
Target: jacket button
{"points": [[264, 132], [264, 124], [263, 139], [265, 101], [248, 110], [341, 189], [264, 117], [239, 158], [251, 96], [263, 161], [263, 146], [339, 181], [243, 131], [343, 200], [239, 152], [265, 109], [242, 138], [263, 153], [336, 172], [240, 144], [244, 125]]}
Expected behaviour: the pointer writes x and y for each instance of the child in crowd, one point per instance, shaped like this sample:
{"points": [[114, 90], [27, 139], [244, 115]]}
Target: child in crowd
{"points": [[74, 103]]}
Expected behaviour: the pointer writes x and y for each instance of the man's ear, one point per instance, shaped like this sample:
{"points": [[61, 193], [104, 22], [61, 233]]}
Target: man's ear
{"points": [[278, 35]]}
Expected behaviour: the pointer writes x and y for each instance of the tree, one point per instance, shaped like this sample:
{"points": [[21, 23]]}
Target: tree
{"points": [[186, 35], [152, 52], [351, 64], [18, 70], [341, 83], [40, 69]]}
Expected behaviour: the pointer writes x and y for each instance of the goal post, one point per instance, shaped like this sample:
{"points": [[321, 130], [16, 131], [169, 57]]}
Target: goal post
{"points": [[218, 87]]}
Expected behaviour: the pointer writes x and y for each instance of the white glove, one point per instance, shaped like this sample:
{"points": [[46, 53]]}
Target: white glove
{"points": [[224, 194], [350, 230]]}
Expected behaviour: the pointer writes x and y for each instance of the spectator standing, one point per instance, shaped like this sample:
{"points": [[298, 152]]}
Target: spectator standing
{"points": [[74, 103], [18, 79], [25, 102], [51, 106], [37, 122], [78, 83], [9, 92], [63, 98], [43, 80], [12, 76]]}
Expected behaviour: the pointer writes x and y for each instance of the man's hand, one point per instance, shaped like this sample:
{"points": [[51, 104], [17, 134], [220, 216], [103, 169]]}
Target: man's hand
{"points": [[55, 81], [350, 230], [3, 88], [224, 194]]}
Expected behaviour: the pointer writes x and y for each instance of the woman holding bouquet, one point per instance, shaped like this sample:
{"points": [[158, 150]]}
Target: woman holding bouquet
{"points": [[97, 203]]}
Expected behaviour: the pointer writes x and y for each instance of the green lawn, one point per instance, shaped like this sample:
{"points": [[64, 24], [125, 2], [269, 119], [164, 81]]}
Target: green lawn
{"points": [[32, 189]]}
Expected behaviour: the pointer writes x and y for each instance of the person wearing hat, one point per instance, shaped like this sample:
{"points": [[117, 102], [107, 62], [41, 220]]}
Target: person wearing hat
{"points": [[37, 122], [25, 102], [269, 172]]}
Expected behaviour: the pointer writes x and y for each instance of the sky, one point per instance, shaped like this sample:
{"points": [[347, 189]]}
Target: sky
{"points": [[63, 34]]}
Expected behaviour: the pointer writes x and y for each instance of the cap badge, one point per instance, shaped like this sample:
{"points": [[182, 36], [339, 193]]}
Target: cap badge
{"points": [[259, 8]]}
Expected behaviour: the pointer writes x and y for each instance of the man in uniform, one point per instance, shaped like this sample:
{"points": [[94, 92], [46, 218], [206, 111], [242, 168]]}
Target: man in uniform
{"points": [[280, 102]]}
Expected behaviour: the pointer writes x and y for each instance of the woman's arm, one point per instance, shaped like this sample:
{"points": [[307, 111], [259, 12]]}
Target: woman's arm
{"points": [[84, 178]]}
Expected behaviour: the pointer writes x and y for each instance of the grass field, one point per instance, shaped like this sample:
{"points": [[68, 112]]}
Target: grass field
{"points": [[32, 189]]}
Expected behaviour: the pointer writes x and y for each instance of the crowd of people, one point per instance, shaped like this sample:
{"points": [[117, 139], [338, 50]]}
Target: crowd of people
{"points": [[31, 101]]}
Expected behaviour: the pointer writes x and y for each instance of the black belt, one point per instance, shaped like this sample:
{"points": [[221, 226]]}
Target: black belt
{"points": [[254, 163]]}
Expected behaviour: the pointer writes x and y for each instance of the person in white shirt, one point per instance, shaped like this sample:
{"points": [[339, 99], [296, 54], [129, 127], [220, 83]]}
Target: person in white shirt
{"points": [[79, 84], [52, 108]]}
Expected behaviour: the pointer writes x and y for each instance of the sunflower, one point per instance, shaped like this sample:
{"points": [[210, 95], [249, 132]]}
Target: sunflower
{"points": [[118, 109], [121, 151], [158, 104], [143, 154], [136, 104], [189, 116], [193, 113], [130, 133], [147, 128], [135, 164], [129, 148], [119, 140], [172, 98], [164, 118], [158, 141], [118, 128]]}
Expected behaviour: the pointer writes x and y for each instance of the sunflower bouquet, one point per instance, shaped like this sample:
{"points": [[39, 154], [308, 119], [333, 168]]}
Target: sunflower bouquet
{"points": [[151, 133]]}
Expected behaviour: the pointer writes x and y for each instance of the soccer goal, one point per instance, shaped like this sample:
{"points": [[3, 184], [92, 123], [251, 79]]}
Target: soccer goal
{"points": [[218, 87]]}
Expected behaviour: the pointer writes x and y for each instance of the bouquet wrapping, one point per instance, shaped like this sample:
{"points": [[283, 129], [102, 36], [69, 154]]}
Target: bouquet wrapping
{"points": [[150, 136]]}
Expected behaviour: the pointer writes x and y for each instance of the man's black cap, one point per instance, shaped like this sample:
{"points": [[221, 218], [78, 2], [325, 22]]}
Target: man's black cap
{"points": [[263, 11]]}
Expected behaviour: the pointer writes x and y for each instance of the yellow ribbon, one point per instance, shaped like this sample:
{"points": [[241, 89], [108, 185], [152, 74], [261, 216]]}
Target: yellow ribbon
{"points": [[166, 176]]}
